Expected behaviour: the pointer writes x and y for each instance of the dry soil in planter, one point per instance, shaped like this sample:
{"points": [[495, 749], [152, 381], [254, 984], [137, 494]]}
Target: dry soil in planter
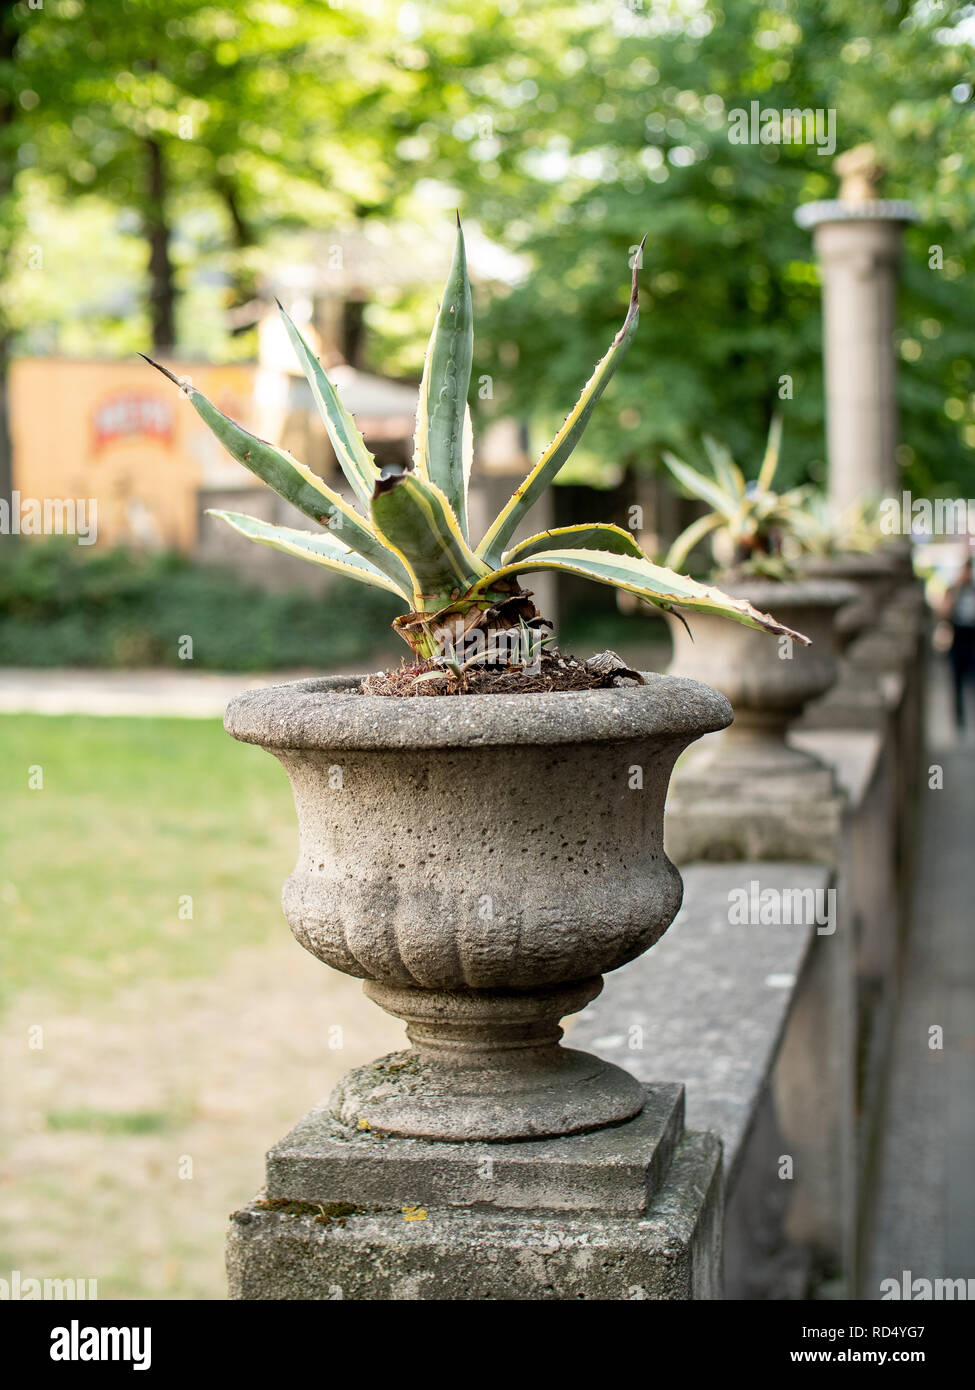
{"points": [[553, 672]]}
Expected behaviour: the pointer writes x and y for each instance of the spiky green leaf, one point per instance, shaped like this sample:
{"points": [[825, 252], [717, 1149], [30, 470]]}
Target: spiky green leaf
{"points": [[599, 536], [771, 460], [354, 459], [726, 471], [442, 407], [319, 547], [495, 541], [296, 483], [412, 516], [648, 581], [699, 485], [688, 539]]}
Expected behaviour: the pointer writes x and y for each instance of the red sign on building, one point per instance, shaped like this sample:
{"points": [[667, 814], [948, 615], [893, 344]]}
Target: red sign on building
{"points": [[132, 413]]}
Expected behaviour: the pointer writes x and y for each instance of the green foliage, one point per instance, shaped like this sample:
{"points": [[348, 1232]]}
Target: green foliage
{"points": [[570, 130], [591, 126], [63, 606]]}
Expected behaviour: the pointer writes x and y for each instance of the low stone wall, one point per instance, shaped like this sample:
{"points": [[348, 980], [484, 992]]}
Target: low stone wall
{"points": [[780, 1029], [760, 1025]]}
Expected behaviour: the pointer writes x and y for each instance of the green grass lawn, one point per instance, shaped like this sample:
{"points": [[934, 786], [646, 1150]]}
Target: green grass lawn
{"points": [[135, 816]]}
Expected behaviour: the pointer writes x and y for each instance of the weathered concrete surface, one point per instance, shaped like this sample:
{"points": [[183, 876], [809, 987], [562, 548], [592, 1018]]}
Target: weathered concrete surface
{"points": [[851, 753], [672, 1251], [540, 1091], [755, 1020], [859, 248], [325, 713], [760, 1261], [750, 792], [619, 1168], [710, 1004], [873, 577], [879, 634], [768, 683], [860, 699]]}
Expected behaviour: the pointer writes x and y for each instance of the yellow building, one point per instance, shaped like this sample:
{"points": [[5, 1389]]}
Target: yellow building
{"points": [[118, 433]]}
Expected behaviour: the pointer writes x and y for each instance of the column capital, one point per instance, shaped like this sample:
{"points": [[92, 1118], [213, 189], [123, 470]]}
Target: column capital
{"points": [[810, 215]]}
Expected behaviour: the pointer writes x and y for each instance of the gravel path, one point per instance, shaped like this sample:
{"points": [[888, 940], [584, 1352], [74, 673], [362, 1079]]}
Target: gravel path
{"points": [[190, 694]]}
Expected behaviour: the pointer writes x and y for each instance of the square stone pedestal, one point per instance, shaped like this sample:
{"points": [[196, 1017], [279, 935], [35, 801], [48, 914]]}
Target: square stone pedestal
{"points": [[628, 1212], [727, 813]]}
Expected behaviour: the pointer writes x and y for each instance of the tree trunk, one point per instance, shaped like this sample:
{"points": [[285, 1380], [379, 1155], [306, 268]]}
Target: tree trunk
{"points": [[162, 287], [243, 310], [353, 331]]}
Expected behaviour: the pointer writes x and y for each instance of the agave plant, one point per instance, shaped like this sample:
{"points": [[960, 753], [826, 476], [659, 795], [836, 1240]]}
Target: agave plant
{"points": [[407, 530], [857, 529], [750, 525]]}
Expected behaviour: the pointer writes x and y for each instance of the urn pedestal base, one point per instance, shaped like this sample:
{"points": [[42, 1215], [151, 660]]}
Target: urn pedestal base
{"points": [[861, 699], [750, 793], [758, 800], [628, 1212], [485, 1065]]}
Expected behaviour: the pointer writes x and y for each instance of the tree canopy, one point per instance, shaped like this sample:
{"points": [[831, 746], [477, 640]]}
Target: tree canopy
{"points": [[198, 131]]}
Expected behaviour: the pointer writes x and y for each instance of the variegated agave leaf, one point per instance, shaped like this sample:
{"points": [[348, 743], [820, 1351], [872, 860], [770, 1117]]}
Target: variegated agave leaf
{"points": [[442, 417], [317, 546], [648, 581], [749, 514], [510, 516], [414, 519], [296, 483], [353, 457]]}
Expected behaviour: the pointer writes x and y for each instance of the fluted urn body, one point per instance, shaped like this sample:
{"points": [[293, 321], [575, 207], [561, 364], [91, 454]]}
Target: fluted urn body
{"points": [[480, 861]]}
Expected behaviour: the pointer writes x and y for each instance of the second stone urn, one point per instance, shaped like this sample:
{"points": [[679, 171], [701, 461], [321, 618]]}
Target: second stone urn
{"points": [[768, 681], [480, 861], [872, 577]]}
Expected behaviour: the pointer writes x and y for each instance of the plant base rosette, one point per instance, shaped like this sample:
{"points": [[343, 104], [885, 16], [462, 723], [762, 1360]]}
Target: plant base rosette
{"points": [[480, 862], [486, 1065]]}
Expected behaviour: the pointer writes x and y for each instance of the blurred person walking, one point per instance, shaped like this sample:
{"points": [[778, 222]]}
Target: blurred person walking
{"points": [[959, 611]]}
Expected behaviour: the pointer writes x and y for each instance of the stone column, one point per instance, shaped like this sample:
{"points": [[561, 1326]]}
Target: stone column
{"points": [[858, 242]]}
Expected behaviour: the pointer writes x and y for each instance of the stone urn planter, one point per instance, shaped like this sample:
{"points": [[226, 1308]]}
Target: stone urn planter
{"points": [[768, 682], [873, 576], [878, 635], [480, 861]]}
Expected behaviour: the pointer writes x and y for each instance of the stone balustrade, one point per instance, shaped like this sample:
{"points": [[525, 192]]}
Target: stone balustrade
{"points": [[778, 1028], [760, 1026]]}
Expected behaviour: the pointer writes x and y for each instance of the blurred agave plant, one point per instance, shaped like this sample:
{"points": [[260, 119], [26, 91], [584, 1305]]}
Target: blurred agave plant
{"points": [[857, 529], [750, 525], [408, 531]]}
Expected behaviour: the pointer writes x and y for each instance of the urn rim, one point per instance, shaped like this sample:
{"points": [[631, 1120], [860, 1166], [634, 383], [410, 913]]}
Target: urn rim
{"points": [[849, 566], [803, 592], [328, 712]]}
